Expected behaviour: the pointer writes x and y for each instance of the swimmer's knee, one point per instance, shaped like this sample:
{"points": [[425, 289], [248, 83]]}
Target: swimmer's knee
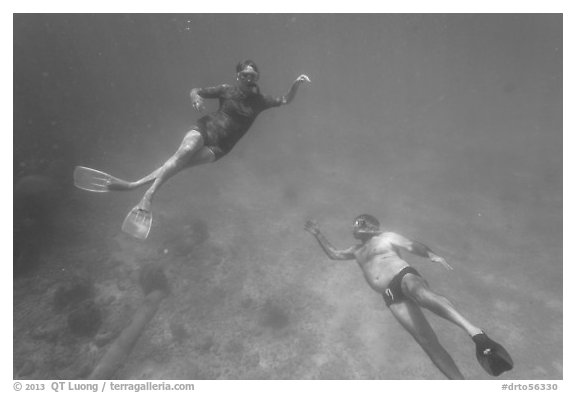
{"points": [[193, 134], [416, 288], [429, 299], [420, 294], [192, 142], [187, 149]]}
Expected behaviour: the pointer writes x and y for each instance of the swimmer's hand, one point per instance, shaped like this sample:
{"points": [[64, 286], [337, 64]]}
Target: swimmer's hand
{"points": [[312, 227], [198, 103], [440, 260], [292, 93], [302, 78]]}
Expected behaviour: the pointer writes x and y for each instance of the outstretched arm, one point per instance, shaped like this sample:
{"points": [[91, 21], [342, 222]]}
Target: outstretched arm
{"points": [[294, 88], [331, 251], [418, 248]]}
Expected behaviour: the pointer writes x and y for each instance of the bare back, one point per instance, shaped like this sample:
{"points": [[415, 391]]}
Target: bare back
{"points": [[379, 259]]}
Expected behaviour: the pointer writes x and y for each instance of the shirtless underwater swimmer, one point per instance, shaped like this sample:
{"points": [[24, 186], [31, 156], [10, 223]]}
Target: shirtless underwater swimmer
{"points": [[405, 292]]}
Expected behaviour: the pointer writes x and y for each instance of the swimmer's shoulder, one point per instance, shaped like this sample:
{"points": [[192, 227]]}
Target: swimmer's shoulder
{"points": [[387, 237]]}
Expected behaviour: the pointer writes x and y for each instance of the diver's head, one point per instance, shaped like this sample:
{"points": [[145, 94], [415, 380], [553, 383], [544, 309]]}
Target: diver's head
{"points": [[247, 72], [365, 226]]}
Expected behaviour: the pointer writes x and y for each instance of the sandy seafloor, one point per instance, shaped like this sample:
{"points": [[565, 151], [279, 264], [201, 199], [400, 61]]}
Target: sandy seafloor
{"points": [[448, 128]]}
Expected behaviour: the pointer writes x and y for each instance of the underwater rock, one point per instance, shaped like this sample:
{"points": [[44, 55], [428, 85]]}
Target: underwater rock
{"points": [[122, 346], [152, 278], [72, 293], [85, 320]]}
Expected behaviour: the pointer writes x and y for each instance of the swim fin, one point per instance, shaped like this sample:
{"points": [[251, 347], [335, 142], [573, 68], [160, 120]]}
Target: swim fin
{"points": [[138, 223], [96, 181], [492, 356]]}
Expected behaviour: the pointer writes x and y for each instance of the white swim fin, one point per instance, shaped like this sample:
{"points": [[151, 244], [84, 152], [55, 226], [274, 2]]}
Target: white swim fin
{"points": [[138, 223], [93, 180]]}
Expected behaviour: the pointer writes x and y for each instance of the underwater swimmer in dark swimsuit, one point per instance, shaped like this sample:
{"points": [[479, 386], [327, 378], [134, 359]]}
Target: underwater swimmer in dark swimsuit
{"points": [[213, 137]]}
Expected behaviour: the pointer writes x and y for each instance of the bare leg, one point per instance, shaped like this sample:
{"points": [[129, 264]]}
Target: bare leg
{"points": [[191, 152], [123, 185], [413, 320], [416, 288]]}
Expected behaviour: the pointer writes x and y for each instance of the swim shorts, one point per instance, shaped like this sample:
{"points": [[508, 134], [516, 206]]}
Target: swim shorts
{"points": [[209, 143], [393, 293]]}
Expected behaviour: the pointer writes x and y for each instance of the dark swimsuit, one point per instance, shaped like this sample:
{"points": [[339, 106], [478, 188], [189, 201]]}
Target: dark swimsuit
{"points": [[238, 110], [393, 293]]}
